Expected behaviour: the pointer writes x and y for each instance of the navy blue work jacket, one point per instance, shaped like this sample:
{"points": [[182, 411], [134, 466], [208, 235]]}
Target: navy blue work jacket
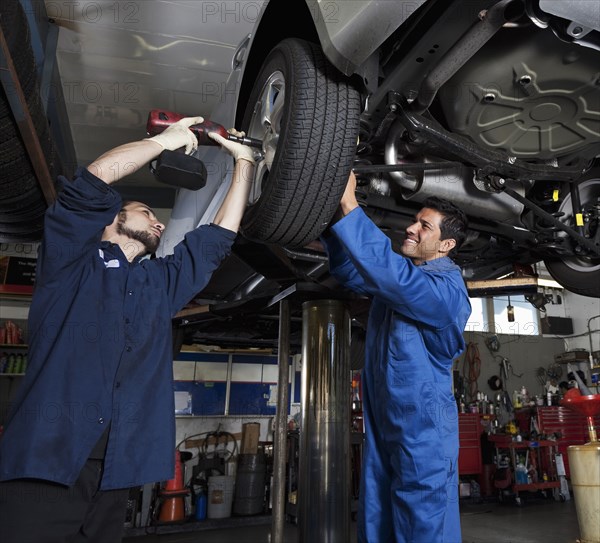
{"points": [[101, 346]]}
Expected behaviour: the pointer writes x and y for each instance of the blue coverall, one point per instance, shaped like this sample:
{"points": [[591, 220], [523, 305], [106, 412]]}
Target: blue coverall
{"points": [[409, 483]]}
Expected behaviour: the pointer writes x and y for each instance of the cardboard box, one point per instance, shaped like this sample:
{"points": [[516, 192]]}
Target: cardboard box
{"points": [[250, 436]]}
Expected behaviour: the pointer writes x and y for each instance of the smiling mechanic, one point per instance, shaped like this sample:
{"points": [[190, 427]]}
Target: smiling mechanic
{"points": [[94, 414], [409, 483]]}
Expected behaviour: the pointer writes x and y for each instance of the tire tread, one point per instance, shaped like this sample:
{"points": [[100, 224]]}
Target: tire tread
{"points": [[316, 149]]}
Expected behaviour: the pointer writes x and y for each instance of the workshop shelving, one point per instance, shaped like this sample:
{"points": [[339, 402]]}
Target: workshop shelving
{"points": [[13, 359], [10, 380], [14, 368]]}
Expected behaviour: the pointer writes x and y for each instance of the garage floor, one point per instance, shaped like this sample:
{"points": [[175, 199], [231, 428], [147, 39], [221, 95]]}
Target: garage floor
{"points": [[536, 521]]}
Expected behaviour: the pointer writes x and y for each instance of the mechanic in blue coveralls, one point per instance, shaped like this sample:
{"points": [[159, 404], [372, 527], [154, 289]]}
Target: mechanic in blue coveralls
{"points": [[94, 414], [409, 483]]}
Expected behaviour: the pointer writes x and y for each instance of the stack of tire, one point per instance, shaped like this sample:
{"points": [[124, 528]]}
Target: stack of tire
{"points": [[22, 203]]}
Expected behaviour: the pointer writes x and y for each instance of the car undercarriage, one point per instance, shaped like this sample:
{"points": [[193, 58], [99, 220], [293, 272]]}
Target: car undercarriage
{"points": [[493, 105]]}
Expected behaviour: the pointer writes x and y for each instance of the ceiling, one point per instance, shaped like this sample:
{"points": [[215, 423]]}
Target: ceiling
{"points": [[117, 60]]}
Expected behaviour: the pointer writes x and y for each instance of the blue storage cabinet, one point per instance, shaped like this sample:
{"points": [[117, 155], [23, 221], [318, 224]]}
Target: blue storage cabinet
{"points": [[252, 380]]}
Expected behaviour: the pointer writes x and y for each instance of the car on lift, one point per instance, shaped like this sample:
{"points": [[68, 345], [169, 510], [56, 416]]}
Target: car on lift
{"points": [[494, 105]]}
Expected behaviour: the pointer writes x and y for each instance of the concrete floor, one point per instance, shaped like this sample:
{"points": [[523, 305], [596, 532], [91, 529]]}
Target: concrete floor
{"points": [[538, 520]]}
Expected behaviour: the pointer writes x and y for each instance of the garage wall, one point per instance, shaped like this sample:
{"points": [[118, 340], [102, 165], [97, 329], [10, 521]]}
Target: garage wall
{"points": [[581, 309], [526, 354]]}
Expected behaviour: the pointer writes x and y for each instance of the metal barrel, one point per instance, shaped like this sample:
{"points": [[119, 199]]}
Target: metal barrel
{"points": [[250, 484]]}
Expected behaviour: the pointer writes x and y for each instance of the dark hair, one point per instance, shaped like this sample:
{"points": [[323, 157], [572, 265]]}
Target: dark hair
{"points": [[454, 224]]}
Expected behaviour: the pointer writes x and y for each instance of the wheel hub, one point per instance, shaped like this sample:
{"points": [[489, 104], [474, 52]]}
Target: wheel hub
{"points": [[265, 124]]}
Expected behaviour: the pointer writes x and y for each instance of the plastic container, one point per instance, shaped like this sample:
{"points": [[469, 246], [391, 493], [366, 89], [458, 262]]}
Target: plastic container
{"points": [[584, 463], [201, 503], [220, 496], [521, 474]]}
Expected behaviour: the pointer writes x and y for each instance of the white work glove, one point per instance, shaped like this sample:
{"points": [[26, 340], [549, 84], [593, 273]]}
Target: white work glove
{"points": [[237, 150], [179, 135]]}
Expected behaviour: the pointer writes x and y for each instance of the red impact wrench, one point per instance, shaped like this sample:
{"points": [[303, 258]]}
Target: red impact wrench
{"points": [[159, 120]]}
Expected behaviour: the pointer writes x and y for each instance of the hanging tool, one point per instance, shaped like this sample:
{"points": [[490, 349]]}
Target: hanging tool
{"points": [[541, 375], [492, 343], [505, 398], [554, 371], [159, 120], [504, 365], [472, 369]]}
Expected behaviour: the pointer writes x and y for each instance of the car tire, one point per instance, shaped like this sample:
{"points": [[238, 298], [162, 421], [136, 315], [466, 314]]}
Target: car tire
{"points": [[22, 201], [579, 275], [309, 148]]}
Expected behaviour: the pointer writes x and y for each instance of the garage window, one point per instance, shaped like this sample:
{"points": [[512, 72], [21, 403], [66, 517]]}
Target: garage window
{"points": [[492, 315], [526, 320], [478, 321]]}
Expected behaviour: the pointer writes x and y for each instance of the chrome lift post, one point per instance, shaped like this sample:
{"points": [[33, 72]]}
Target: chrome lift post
{"points": [[324, 470], [280, 449]]}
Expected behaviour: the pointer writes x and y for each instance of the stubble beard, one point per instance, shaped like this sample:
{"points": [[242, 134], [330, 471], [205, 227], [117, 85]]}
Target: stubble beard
{"points": [[148, 240]]}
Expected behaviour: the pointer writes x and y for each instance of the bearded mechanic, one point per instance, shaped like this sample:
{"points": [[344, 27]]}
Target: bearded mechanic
{"points": [[420, 306], [94, 413]]}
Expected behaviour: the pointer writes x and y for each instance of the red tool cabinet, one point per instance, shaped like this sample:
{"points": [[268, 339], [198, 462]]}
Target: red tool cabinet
{"points": [[469, 453], [571, 426]]}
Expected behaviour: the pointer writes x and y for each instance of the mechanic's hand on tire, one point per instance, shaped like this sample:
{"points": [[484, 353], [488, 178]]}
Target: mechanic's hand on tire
{"points": [[349, 201], [178, 135], [236, 150]]}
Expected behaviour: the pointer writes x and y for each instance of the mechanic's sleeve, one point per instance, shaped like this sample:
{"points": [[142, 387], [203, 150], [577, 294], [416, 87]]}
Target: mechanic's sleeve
{"points": [[340, 265], [394, 279], [189, 269], [75, 222]]}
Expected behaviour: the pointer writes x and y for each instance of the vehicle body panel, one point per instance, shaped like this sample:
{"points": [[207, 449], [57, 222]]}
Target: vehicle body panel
{"points": [[350, 31]]}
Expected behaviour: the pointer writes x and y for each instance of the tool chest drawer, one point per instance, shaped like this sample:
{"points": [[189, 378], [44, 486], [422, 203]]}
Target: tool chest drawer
{"points": [[469, 453]]}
